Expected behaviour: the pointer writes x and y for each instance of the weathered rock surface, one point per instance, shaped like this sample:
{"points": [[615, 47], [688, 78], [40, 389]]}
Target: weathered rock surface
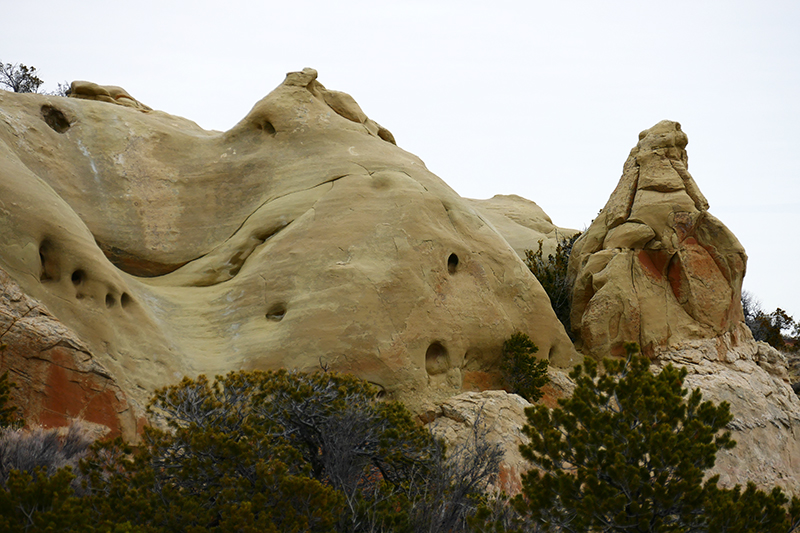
{"points": [[105, 93], [57, 378], [522, 223], [752, 377], [499, 416], [655, 266], [497, 413], [301, 237]]}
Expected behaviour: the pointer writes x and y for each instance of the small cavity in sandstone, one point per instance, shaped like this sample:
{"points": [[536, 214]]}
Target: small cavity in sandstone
{"points": [[266, 126], [78, 276], [110, 301], [452, 263], [55, 119], [47, 256], [436, 360], [125, 300], [276, 313], [381, 393]]}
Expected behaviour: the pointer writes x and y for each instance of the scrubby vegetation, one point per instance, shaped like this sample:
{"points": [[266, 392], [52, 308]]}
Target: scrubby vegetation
{"points": [[288, 451], [20, 78], [628, 452], [777, 328], [523, 373], [253, 452], [551, 271]]}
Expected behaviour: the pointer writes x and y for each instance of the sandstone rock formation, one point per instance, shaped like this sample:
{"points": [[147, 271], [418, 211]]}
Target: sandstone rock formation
{"points": [[57, 378], [302, 237], [522, 223], [752, 377], [655, 266], [499, 417], [105, 93]]}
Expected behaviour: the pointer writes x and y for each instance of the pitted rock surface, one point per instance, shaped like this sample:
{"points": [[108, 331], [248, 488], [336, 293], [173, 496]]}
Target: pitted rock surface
{"points": [[58, 379], [302, 237]]}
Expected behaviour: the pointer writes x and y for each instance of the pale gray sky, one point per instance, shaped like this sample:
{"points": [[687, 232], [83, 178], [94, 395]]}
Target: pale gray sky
{"points": [[540, 99]]}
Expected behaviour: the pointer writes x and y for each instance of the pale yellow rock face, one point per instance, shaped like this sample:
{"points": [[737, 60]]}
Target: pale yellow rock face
{"points": [[655, 267], [522, 223], [302, 237]]}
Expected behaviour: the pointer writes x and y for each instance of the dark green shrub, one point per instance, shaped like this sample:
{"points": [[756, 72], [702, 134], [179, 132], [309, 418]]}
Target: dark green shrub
{"points": [[8, 412], [628, 453], [777, 329], [523, 373], [286, 451], [552, 274]]}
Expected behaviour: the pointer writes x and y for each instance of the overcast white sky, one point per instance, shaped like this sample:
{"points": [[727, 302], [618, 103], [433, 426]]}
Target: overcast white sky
{"points": [[540, 99]]}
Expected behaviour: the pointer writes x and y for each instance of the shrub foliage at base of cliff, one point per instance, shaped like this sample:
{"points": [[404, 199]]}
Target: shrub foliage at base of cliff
{"points": [[522, 372], [628, 452], [551, 271], [258, 452]]}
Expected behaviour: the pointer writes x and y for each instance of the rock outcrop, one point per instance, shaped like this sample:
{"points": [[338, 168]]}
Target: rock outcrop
{"points": [[302, 237], [655, 266], [522, 223], [58, 379], [496, 417], [752, 377]]}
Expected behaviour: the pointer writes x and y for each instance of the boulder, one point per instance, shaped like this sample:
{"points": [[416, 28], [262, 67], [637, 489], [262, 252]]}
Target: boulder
{"points": [[655, 267], [303, 237], [496, 416]]}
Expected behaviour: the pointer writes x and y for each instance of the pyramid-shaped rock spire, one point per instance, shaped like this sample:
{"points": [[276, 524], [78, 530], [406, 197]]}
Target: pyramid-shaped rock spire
{"points": [[655, 267]]}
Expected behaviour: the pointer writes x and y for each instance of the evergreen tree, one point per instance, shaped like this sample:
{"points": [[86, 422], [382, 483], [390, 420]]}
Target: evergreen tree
{"points": [[522, 372], [552, 274], [628, 453]]}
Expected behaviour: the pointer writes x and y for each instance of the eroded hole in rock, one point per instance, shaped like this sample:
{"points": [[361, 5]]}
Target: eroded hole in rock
{"points": [[78, 276], [125, 300], [380, 393], [436, 359], [452, 263], [276, 313], [49, 262], [132, 263], [110, 300], [267, 127], [55, 118]]}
